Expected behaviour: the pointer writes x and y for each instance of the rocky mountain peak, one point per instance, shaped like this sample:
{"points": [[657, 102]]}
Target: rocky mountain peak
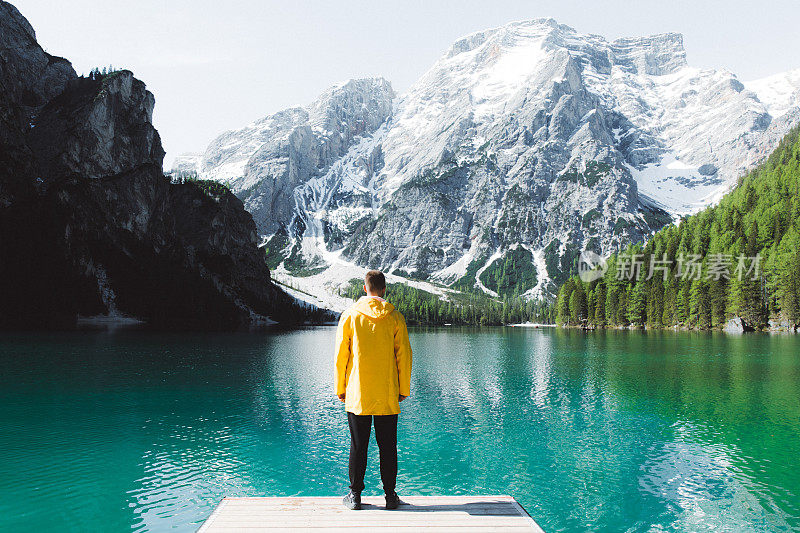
{"points": [[352, 109], [89, 223], [506, 34], [529, 142], [31, 75], [651, 55], [655, 55], [354, 99], [12, 22], [98, 127]]}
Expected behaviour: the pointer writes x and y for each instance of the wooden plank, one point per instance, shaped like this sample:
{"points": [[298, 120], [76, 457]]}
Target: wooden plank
{"points": [[464, 497], [415, 507], [375, 512], [398, 519], [374, 528], [323, 500], [370, 503], [327, 514], [531, 522], [208, 524]]}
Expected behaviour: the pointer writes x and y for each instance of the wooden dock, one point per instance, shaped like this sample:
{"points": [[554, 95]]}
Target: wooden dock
{"points": [[415, 514]]}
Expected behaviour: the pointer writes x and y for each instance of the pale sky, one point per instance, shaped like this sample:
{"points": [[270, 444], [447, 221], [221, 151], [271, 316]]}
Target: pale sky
{"points": [[218, 65]]}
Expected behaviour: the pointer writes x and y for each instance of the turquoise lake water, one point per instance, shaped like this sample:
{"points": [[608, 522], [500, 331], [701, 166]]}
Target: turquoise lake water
{"points": [[599, 431]]}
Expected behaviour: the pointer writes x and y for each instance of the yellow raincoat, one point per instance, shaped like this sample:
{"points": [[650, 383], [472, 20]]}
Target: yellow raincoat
{"points": [[373, 357]]}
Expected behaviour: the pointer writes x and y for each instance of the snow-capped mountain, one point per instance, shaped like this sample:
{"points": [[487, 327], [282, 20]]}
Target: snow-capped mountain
{"points": [[779, 93], [521, 146]]}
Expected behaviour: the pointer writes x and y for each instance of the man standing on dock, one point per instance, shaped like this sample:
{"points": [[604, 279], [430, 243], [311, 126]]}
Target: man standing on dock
{"points": [[373, 375]]}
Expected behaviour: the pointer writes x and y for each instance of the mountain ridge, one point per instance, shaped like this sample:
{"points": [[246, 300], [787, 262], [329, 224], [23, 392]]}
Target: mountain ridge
{"points": [[527, 135]]}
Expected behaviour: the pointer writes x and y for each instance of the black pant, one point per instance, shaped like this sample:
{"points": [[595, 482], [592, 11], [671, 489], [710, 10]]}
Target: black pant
{"points": [[386, 435]]}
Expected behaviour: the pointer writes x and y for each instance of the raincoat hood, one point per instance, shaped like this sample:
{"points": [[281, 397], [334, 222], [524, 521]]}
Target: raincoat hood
{"points": [[374, 308]]}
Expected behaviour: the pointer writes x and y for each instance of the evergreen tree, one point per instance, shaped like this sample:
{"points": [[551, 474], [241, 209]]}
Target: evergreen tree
{"points": [[637, 304], [600, 305], [577, 304], [564, 315]]}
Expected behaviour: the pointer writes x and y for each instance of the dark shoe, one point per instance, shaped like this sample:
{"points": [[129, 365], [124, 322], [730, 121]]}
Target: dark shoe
{"points": [[352, 501], [392, 500]]}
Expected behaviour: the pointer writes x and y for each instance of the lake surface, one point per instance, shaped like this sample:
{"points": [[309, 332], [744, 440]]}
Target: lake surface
{"points": [[602, 431]]}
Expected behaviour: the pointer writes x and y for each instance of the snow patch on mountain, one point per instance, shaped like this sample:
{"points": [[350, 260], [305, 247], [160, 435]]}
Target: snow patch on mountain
{"points": [[326, 288], [676, 186], [780, 92], [492, 258]]}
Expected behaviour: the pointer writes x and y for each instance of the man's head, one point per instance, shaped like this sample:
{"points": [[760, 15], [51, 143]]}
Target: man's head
{"points": [[375, 283]]}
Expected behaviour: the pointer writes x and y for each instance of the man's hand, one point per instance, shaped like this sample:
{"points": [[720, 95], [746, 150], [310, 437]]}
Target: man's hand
{"points": [[341, 397], [400, 397]]}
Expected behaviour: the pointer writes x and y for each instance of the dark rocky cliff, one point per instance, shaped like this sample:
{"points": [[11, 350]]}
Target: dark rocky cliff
{"points": [[89, 224]]}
